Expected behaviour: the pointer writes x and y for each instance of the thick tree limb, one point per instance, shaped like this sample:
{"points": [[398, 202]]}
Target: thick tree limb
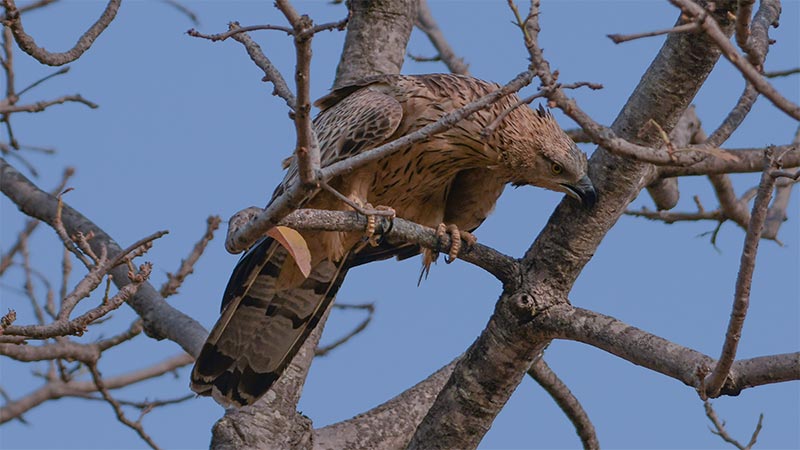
{"points": [[746, 160], [376, 31], [569, 239], [396, 419], [660, 355]]}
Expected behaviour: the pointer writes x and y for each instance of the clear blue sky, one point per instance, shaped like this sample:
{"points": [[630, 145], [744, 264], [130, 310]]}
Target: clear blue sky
{"points": [[186, 129]]}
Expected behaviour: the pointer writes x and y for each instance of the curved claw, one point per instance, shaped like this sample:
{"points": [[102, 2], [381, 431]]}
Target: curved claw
{"points": [[371, 213], [455, 243], [457, 240]]}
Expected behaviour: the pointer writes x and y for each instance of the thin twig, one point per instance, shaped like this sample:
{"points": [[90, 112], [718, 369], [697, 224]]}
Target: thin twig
{"points": [[271, 74], [59, 389], [716, 379], [685, 28], [723, 433], [527, 100], [307, 150], [137, 425], [750, 72], [174, 281], [183, 9], [42, 105], [427, 24], [243, 236], [369, 307], [781, 73], [559, 391], [77, 326], [232, 32], [58, 72]]}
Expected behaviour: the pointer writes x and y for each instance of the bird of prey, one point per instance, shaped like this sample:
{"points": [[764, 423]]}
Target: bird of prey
{"points": [[269, 307]]}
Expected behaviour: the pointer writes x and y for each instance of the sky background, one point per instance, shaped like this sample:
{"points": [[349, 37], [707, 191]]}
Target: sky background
{"points": [[186, 129]]}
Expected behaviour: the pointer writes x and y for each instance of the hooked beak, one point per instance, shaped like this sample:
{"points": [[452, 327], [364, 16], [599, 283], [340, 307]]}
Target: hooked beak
{"points": [[583, 191]]}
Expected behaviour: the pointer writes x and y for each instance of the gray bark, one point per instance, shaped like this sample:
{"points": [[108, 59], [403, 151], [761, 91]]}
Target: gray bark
{"points": [[495, 364], [377, 35]]}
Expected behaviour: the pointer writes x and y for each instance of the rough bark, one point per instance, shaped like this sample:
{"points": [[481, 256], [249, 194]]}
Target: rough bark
{"points": [[388, 426], [376, 40], [458, 418]]}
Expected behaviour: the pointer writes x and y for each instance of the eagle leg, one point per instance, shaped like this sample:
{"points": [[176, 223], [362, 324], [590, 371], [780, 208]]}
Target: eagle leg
{"points": [[365, 209], [429, 256], [371, 213], [456, 237]]}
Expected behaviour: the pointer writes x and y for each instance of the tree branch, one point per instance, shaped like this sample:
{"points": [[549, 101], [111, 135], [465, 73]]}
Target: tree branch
{"points": [[752, 75], [744, 281], [241, 237], [427, 24], [58, 389], [548, 380], [160, 319], [660, 355], [14, 21]]}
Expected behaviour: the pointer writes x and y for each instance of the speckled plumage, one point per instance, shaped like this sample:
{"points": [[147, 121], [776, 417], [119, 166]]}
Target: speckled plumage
{"points": [[455, 177]]}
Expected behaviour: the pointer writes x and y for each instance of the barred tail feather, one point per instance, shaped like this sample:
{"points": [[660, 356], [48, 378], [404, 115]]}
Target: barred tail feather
{"points": [[261, 327]]}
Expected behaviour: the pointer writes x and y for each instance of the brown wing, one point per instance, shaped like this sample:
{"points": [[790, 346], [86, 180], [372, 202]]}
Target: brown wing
{"points": [[353, 119], [261, 327]]}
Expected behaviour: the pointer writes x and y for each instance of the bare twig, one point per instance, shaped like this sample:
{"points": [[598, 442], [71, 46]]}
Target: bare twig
{"points": [[58, 72], [427, 24], [157, 315], [719, 428], [307, 150], [28, 45], [745, 160], [685, 28], [670, 217], [527, 100], [551, 383], [369, 307], [58, 389], [77, 326], [234, 31], [750, 72], [36, 5], [184, 10], [143, 405], [242, 237], [174, 281], [419, 58], [271, 74], [137, 425], [776, 215], [717, 378], [41, 106], [402, 231], [781, 73], [660, 355]]}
